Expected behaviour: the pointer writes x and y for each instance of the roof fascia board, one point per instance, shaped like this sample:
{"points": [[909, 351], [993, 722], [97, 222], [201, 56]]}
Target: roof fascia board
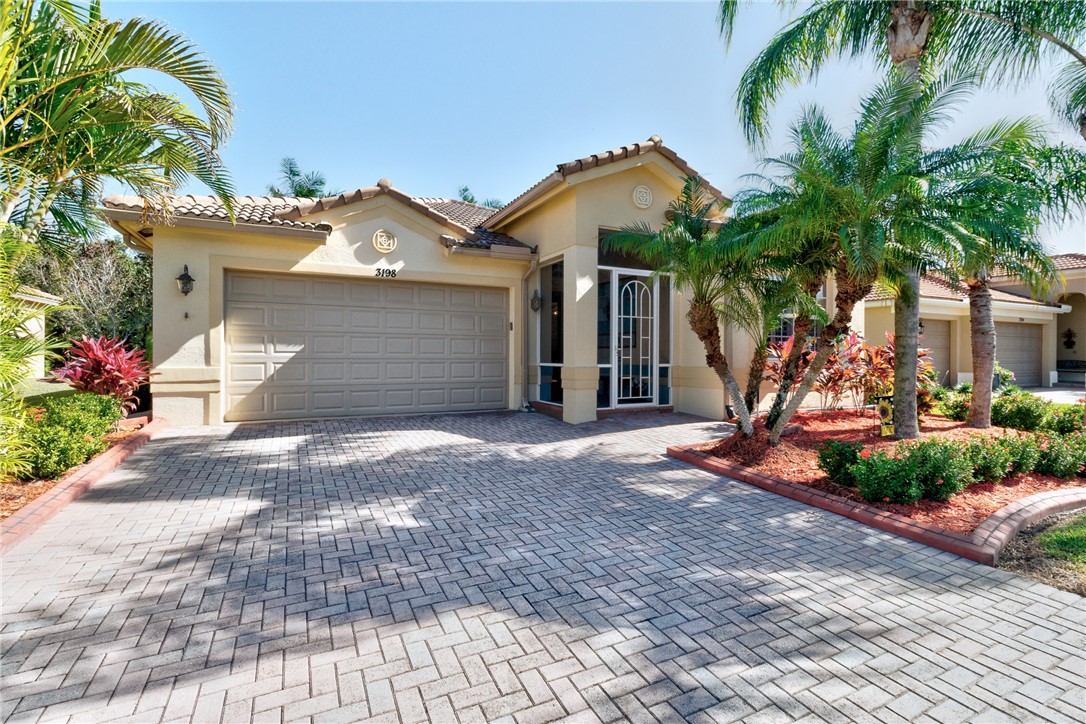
{"points": [[529, 201]]}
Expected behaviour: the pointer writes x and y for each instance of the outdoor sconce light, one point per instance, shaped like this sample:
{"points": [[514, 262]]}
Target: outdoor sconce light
{"points": [[185, 281], [921, 326], [537, 301]]}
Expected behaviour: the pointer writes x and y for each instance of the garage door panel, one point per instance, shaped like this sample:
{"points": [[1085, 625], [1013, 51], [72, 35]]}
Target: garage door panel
{"points": [[299, 346], [1018, 348]]}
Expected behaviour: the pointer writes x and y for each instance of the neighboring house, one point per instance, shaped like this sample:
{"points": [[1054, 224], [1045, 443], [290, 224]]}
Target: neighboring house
{"points": [[40, 301], [1025, 331], [377, 302], [1068, 346]]}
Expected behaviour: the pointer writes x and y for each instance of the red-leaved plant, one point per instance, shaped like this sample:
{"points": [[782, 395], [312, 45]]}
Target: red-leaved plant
{"points": [[105, 367]]}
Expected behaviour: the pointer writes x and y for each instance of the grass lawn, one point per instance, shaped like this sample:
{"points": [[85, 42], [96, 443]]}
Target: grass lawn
{"points": [[1067, 541], [1052, 550]]}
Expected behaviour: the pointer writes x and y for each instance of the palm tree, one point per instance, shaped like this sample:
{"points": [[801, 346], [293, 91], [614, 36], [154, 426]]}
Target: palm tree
{"points": [[305, 185], [1003, 38], [72, 117], [464, 194], [1026, 184], [876, 203]]}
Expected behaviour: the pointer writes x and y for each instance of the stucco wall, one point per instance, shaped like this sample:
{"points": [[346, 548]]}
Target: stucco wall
{"points": [[188, 330], [1075, 321]]}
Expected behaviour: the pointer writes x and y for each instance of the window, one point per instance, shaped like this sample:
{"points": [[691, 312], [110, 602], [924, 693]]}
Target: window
{"points": [[551, 337], [787, 326]]}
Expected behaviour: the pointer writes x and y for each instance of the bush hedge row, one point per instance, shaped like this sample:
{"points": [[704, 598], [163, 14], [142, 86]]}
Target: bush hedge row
{"points": [[67, 431]]}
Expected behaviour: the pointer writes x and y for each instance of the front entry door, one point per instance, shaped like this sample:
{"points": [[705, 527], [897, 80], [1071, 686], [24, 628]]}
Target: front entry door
{"points": [[634, 340]]}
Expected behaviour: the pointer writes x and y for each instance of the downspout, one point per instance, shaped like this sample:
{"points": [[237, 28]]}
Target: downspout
{"points": [[526, 306]]}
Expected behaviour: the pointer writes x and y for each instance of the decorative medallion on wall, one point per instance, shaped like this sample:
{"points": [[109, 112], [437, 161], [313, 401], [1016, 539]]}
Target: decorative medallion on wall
{"points": [[384, 241], [642, 197]]}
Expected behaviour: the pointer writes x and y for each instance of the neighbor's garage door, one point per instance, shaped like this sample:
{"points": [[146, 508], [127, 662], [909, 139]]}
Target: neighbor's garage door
{"points": [[1018, 348], [301, 346], [936, 340]]}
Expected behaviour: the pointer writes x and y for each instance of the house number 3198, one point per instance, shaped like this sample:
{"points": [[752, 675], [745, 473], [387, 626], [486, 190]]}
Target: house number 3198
{"points": [[388, 273]]}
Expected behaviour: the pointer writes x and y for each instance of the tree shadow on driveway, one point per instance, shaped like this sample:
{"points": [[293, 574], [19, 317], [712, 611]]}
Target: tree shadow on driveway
{"points": [[488, 565]]}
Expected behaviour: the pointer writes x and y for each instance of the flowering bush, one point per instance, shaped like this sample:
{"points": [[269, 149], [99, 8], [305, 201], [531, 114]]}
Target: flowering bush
{"points": [[992, 459], [1025, 451], [68, 431], [1063, 456], [931, 469], [105, 367], [1065, 419], [1019, 409]]}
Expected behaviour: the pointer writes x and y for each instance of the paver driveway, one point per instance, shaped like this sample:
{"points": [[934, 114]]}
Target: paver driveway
{"points": [[502, 565]]}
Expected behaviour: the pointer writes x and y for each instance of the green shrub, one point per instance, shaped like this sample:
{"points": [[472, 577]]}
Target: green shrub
{"points": [[965, 388], [955, 406], [68, 431], [943, 467], [1065, 419], [1025, 452], [885, 479], [991, 458], [1061, 455], [836, 457], [1019, 410], [941, 393]]}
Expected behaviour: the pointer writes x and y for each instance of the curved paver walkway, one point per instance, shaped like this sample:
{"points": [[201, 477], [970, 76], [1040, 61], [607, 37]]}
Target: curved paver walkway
{"points": [[505, 565]]}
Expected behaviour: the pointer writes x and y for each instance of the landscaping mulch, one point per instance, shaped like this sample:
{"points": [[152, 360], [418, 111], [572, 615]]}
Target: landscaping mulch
{"points": [[1025, 555], [796, 460], [15, 494]]}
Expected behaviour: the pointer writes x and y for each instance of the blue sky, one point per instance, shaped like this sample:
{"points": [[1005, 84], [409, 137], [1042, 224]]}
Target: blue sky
{"points": [[493, 95]]}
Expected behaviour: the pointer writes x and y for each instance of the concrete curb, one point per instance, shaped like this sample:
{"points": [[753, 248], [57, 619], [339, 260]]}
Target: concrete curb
{"points": [[34, 514], [983, 546]]}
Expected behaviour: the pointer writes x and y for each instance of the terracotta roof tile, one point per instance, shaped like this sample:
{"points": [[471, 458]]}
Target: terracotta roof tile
{"points": [[259, 210], [934, 287], [464, 218], [1065, 262]]}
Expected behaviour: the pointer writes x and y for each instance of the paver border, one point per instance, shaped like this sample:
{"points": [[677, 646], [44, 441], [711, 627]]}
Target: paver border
{"points": [[983, 545], [34, 514]]}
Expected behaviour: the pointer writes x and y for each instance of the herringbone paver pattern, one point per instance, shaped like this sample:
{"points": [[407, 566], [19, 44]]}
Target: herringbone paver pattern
{"points": [[502, 567]]}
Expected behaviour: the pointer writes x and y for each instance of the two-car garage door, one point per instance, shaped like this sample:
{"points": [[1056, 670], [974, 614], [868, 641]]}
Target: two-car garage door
{"points": [[306, 346]]}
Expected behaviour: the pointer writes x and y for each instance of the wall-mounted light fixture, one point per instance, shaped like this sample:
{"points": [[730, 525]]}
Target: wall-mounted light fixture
{"points": [[921, 328], [537, 301], [185, 281]]}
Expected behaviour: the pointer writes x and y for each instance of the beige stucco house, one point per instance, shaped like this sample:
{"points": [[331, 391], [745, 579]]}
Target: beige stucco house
{"points": [[40, 302], [378, 302], [1029, 332]]}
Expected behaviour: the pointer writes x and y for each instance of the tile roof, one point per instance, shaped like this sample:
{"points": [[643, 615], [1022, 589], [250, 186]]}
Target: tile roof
{"points": [[259, 210], [934, 287], [290, 212], [1065, 262], [564, 170]]}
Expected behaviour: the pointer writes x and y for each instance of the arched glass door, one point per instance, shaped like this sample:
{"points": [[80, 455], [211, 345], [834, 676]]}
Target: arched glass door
{"points": [[635, 338]]}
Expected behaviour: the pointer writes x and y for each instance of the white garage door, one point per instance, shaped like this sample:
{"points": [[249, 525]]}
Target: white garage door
{"points": [[301, 346], [936, 339], [1018, 348]]}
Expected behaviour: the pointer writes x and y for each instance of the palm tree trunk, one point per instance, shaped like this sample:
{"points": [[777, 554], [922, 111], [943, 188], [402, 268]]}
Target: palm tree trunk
{"points": [[982, 338], [706, 325], [37, 220], [800, 328], [754, 379], [906, 348], [848, 296]]}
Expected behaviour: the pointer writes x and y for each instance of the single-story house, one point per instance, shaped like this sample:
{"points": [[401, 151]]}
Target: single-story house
{"points": [[1069, 344], [1026, 329], [379, 302]]}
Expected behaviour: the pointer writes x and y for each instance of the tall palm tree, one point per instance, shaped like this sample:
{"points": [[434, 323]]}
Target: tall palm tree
{"points": [[71, 116], [1003, 38], [877, 203], [713, 268], [1025, 185]]}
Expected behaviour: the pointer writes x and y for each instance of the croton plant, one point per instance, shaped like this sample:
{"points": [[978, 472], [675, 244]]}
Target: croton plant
{"points": [[105, 366]]}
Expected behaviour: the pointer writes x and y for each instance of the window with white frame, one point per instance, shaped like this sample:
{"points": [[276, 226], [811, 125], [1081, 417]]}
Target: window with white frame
{"points": [[787, 325]]}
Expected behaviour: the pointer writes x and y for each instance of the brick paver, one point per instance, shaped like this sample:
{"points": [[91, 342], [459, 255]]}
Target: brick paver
{"points": [[502, 566]]}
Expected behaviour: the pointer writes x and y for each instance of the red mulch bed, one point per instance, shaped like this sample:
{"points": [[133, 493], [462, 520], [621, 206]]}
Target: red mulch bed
{"points": [[796, 460], [15, 494]]}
